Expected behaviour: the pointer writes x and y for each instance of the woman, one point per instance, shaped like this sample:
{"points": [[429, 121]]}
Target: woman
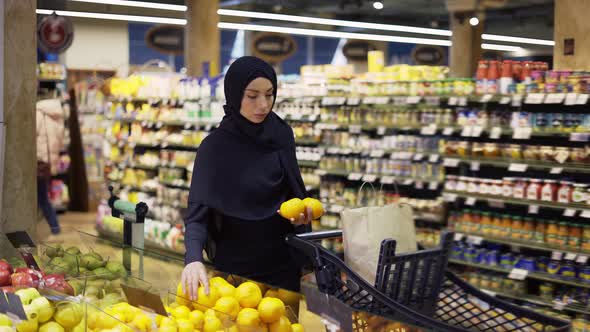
{"points": [[243, 172]]}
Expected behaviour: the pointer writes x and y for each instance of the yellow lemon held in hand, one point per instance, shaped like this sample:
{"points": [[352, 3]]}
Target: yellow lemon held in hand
{"points": [[282, 325], [316, 206], [248, 320], [196, 317], [208, 300], [181, 312], [248, 295], [182, 297], [292, 208], [297, 328], [271, 309], [228, 305], [212, 324]]}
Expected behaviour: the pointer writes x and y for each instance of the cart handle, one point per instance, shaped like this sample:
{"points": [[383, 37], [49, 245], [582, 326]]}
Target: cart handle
{"points": [[321, 235]]}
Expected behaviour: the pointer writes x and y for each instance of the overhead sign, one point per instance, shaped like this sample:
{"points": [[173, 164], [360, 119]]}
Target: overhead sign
{"points": [[55, 33], [429, 55], [273, 47], [358, 50], [167, 39]]}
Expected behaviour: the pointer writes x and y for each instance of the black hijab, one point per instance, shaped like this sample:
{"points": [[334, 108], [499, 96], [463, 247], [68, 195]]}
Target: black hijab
{"points": [[246, 170]]}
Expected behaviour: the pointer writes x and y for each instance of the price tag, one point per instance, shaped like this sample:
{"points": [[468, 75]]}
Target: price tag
{"points": [[496, 132], [377, 153], [450, 197], [582, 259], [579, 137], [558, 305], [518, 168], [381, 100], [296, 116], [462, 101], [381, 130], [570, 99], [369, 177], [458, 236], [369, 100], [448, 131], [326, 101], [159, 124], [419, 185], [518, 274], [452, 101], [475, 166], [408, 182], [352, 101], [570, 256], [505, 100], [433, 101], [320, 172], [433, 185], [418, 156], [555, 98], [585, 214], [413, 100], [556, 170], [556, 255], [533, 209], [486, 98], [569, 212], [467, 131], [470, 201], [489, 292], [534, 98], [428, 130], [354, 129], [339, 100], [451, 162], [387, 179], [477, 240], [143, 299], [355, 176], [517, 100], [522, 133], [582, 99], [496, 203], [433, 158]]}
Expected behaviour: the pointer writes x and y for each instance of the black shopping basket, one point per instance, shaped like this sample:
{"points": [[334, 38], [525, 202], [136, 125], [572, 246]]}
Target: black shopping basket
{"points": [[416, 288]]}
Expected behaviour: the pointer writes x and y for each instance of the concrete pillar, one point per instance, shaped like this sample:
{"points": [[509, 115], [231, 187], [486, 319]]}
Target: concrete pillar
{"points": [[466, 48], [202, 37], [571, 23], [18, 171]]}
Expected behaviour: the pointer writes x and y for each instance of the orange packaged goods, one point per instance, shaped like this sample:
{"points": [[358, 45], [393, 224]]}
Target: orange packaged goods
{"points": [[586, 238], [516, 228], [486, 223], [528, 229], [481, 77], [562, 233], [506, 225], [574, 235], [497, 225], [551, 232], [540, 231], [493, 75], [475, 222]]}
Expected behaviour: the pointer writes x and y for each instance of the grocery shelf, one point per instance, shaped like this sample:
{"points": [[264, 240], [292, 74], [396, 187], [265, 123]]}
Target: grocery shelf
{"points": [[537, 300], [532, 275], [177, 186], [528, 244], [302, 141], [308, 163], [138, 189], [536, 164], [343, 172], [551, 205]]}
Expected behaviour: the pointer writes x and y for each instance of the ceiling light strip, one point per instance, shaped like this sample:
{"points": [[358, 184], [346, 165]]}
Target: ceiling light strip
{"points": [[522, 40], [497, 47], [140, 4], [116, 17]]}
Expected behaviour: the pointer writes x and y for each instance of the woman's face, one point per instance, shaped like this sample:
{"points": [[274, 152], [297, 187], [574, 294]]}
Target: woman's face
{"points": [[257, 100]]}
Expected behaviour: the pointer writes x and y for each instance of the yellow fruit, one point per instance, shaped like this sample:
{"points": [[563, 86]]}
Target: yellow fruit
{"points": [[248, 295], [288, 297], [282, 325], [4, 320], [212, 324], [168, 328], [233, 328], [184, 325], [69, 315], [228, 305], [292, 208], [141, 323], [159, 319], [248, 320], [272, 293], [216, 281], [210, 312], [173, 305], [122, 328], [30, 325], [181, 312], [317, 209], [226, 290], [297, 328], [196, 317], [167, 321], [271, 309], [51, 327], [208, 300], [182, 297], [105, 321]]}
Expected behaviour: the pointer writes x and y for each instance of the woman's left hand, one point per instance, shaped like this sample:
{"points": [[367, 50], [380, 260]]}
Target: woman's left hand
{"points": [[304, 218]]}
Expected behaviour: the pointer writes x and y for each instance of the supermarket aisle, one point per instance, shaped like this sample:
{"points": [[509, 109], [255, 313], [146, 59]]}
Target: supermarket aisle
{"points": [[69, 222]]}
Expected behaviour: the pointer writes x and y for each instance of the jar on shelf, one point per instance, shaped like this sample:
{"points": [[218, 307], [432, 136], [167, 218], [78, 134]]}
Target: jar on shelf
{"points": [[564, 192], [579, 155], [506, 225], [533, 191], [463, 149], [585, 243], [546, 153], [562, 233], [496, 225], [491, 150], [528, 229], [473, 185], [551, 232], [539, 231], [451, 182], [580, 193], [531, 152], [513, 151], [507, 187], [496, 188], [562, 154], [475, 222], [549, 191], [520, 188], [485, 187], [462, 183], [477, 149], [486, 223], [516, 227], [574, 237]]}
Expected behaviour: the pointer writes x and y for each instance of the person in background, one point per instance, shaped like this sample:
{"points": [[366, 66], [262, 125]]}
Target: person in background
{"points": [[50, 140]]}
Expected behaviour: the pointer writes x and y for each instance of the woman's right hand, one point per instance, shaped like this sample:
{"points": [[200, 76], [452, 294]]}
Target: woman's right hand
{"points": [[194, 274]]}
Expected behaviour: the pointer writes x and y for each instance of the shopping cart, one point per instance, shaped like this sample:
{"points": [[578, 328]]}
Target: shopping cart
{"points": [[416, 288]]}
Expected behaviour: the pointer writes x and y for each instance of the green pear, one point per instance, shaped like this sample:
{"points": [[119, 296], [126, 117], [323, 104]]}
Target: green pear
{"points": [[103, 273], [53, 252], [91, 262], [51, 327], [32, 323], [5, 320], [73, 251], [69, 315], [44, 308], [117, 268], [91, 291], [27, 295]]}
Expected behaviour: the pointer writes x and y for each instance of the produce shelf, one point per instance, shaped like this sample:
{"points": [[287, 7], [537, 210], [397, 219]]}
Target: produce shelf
{"points": [[551, 205]]}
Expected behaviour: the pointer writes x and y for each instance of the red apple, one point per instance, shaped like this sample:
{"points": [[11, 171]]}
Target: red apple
{"points": [[22, 280], [5, 266], [35, 275], [4, 278]]}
